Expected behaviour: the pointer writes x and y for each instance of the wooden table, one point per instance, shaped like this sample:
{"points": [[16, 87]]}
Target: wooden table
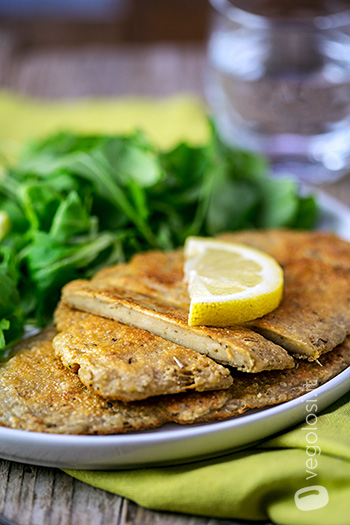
{"points": [[31, 495]]}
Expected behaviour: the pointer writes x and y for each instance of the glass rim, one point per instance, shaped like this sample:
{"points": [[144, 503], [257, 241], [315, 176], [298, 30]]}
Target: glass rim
{"points": [[240, 15]]}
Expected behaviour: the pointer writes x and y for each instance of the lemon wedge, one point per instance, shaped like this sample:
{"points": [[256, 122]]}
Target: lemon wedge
{"points": [[229, 283]]}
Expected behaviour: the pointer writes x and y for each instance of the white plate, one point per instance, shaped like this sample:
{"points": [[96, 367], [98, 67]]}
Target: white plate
{"points": [[174, 443], [335, 216]]}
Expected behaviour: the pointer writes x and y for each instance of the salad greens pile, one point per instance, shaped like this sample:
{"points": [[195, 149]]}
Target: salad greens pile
{"points": [[73, 204]]}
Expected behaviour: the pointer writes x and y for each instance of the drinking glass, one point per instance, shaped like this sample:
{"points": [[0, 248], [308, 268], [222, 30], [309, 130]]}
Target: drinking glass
{"points": [[278, 81]]}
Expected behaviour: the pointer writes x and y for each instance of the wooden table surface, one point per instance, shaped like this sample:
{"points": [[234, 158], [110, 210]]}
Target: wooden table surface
{"points": [[32, 495]]}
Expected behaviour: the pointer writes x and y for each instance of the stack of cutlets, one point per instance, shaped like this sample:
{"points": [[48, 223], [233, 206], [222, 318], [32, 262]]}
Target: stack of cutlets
{"points": [[122, 356]]}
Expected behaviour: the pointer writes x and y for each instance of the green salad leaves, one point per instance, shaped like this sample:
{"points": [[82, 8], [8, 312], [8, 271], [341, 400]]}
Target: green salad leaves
{"points": [[73, 204]]}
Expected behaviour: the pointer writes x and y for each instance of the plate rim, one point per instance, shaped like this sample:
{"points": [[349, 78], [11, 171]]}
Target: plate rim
{"points": [[195, 429], [181, 433]]}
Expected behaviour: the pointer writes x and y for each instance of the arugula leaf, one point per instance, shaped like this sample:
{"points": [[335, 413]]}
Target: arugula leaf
{"points": [[133, 159], [306, 213], [13, 215], [11, 315], [233, 205], [50, 264], [40, 204], [4, 325], [71, 218], [9, 296], [97, 169], [74, 204], [278, 204]]}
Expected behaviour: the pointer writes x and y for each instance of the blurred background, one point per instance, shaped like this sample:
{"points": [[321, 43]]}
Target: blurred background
{"points": [[58, 48], [78, 22], [284, 91]]}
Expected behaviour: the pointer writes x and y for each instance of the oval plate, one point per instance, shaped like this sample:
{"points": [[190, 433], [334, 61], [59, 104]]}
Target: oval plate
{"points": [[174, 443]]}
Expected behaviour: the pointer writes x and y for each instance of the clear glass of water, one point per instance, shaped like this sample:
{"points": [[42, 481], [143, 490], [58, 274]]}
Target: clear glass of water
{"points": [[279, 82]]}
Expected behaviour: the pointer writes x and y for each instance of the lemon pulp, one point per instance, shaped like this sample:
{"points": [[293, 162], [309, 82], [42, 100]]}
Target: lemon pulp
{"points": [[229, 283]]}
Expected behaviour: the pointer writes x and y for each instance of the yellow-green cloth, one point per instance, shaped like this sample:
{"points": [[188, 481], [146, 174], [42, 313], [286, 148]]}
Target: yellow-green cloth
{"points": [[166, 121], [259, 483], [256, 484]]}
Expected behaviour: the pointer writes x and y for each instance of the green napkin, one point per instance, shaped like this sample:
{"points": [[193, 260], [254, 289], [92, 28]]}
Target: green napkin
{"points": [[257, 484], [166, 121]]}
